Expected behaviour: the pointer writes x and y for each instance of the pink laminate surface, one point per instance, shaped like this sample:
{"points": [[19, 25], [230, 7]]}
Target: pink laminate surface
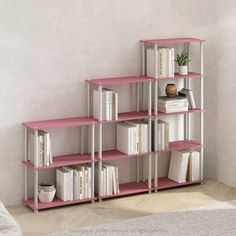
{"points": [[130, 188], [55, 203], [172, 40], [65, 160], [119, 80], [60, 123], [164, 183], [178, 76]]}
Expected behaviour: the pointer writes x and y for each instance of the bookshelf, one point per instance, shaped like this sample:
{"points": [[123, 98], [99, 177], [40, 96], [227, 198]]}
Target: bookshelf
{"points": [[145, 87]]}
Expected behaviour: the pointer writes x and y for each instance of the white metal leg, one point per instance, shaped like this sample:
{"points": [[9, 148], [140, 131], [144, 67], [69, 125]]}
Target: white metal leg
{"points": [[36, 190], [150, 136], [82, 134], [155, 119], [25, 168], [88, 114], [137, 109], [100, 143], [143, 61], [202, 107], [92, 158]]}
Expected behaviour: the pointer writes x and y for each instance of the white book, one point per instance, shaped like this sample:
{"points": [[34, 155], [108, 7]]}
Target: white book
{"points": [[104, 181], [194, 166], [170, 110], [150, 63], [81, 170], [40, 150], [85, 182], [178, 166], [89, 182], [117, 180], [75, 184], [114, 186], [163, 64], [70, 181], [116, 106], [123, 138], [171, 62], [61, 184], [110, 182]]}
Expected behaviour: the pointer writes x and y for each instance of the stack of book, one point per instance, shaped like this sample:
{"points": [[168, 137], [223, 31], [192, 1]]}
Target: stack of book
{"points": [[109, 104], [172, 104], [132, 137], [184, 165], [110, 180], [74, 182], [162, 134], [188, 93], [44, 148], [165, 65]]}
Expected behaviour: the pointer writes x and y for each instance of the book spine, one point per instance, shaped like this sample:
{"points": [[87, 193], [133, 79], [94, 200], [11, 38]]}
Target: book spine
{"points": [[80, 184], [160, 63], [89, 182], [116, 106], [117, 180]]}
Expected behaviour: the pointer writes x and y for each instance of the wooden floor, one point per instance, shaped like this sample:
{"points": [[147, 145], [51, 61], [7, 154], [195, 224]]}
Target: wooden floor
{"points": [[74, 217]]}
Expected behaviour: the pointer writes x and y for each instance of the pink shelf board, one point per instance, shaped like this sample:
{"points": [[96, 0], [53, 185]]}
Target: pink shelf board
{"points": [[172, 40], [115, 154], [165, 183], [129, 116], [196, 110], [120, 80], [178, 76], [129, 188], [65, 160], [181, 144], [60, 123], [55, 203]]}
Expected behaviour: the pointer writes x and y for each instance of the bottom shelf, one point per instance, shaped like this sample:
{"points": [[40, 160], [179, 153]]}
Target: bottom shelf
{"points": [[165, 183], [55, 203], [128, 189]]}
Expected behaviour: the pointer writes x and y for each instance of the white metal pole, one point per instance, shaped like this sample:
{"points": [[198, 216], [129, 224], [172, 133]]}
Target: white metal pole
{"points": [[137, 109], [92, 158], [89, 114], [26, 159], [150, 136], [155, 119], [202, 107], [100, 143], [143, 61], [36, 164]]}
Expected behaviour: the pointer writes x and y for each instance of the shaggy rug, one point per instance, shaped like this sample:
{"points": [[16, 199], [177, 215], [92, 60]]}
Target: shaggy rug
{"points": [[214, 220]]}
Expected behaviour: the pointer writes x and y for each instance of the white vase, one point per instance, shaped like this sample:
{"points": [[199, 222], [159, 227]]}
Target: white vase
{"points": [[183, 70], [47, 193]]}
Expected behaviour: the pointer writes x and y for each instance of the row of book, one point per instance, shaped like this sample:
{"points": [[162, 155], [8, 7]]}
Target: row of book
{"points": [[74, 182], [165, 65], [109, 180], [184, 166], [132, 136], [162, 135], [188, 93], [109, 104], [44, 149]]}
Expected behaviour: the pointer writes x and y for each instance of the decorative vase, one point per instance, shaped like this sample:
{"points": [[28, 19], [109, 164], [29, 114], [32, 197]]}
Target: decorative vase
{"points": [[183, 70], [46, 193], [171, 90]]}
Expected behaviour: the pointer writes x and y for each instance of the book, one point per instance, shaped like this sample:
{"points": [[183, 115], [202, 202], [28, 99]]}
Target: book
{"points": [[178, 166], [172, 104], [150, 63], [70, 181], [188, 93], [109, 104], [194, 166], [62, 179]]}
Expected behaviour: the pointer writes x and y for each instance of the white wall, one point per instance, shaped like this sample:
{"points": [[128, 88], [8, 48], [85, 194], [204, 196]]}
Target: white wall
{"points": [[48, 49]]}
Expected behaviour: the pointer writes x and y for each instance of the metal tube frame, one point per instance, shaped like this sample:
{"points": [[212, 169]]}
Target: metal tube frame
{"points": [[92, 159], [150, 136], [25, 167], [89, 114], [36, 164], [100, 144], [137, 109], [202, 107], [155, 119]]}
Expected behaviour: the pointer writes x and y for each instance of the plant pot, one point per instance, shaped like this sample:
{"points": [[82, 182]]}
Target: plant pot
{"points": [[171, 90], [183, 70], [47, 193]]}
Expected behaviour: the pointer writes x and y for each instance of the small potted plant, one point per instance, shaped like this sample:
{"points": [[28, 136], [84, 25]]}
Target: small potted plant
{"points": [[182, 61]]}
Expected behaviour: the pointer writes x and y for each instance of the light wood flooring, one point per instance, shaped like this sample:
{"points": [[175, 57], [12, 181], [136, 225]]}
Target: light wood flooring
{"points": [[76, 216]]}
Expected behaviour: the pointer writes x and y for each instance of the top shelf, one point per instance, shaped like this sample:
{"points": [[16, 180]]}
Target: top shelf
{"points": [[120, 80], [60, 123], [173, 41]]}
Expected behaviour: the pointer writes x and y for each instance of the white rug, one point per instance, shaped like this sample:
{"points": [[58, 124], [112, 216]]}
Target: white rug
{"points": [[218, 219]]}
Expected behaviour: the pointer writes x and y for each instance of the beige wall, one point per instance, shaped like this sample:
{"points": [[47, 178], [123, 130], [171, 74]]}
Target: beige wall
{"points": [[48, 49]]}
